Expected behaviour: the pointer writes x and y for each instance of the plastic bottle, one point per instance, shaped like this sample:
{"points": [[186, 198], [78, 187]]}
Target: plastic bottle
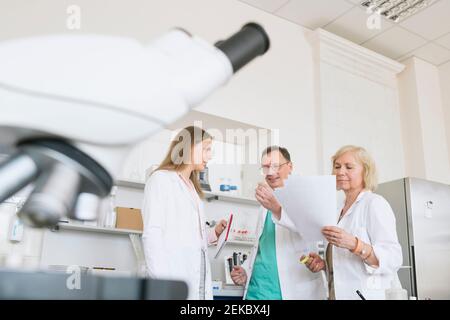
{"points": [[223, 186], [110, 218], [396, 292], [16, 229]]}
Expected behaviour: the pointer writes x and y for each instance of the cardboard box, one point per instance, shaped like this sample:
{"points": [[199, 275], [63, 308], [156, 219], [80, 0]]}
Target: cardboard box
{"points": [[129, 218]]}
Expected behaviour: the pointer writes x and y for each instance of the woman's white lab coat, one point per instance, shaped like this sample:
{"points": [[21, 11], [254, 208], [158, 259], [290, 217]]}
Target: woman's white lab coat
{"points": [[296, 281], [174, 232], [371, 219]]}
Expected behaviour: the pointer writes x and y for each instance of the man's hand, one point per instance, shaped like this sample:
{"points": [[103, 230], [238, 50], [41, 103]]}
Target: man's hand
{"points": [[265, 196], [239, 276], [314, 262]]}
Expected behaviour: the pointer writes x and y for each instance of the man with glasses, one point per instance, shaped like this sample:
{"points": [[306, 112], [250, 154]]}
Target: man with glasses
{"points": [[274, 272]]}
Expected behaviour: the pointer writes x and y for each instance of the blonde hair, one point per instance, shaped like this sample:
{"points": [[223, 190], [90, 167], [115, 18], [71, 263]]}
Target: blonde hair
{"points": [[180, 149], [363, 157]]}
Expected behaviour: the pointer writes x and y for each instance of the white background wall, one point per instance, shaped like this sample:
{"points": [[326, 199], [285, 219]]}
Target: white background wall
{"points": [[444, 73], [424, 121], [433, 122], [359, 111]]}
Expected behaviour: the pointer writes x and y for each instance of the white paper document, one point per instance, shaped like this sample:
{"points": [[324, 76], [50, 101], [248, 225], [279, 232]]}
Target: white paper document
{"points": [[310, 202], [223, 237]]}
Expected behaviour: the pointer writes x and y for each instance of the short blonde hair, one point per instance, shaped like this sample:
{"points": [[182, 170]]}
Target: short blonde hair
{"points": [[363, 157]]}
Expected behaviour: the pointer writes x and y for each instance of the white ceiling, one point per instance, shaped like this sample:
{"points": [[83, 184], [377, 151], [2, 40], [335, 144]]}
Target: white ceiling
{"points": [[425, 35]]}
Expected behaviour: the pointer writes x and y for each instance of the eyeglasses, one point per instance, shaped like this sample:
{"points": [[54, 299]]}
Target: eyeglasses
{"points": [[275, 168]]}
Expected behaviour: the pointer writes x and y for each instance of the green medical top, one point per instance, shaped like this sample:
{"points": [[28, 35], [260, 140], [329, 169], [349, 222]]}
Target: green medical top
{"points": [[264, 283]]}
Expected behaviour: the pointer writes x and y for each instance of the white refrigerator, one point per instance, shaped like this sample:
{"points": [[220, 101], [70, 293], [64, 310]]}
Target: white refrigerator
{"points": [[422, 210]]}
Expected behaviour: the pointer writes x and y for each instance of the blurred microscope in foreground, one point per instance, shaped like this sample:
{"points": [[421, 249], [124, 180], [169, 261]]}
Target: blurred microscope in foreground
{"points": [[63, 99]]}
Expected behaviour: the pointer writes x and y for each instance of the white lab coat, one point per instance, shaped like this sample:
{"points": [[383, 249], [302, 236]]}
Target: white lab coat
{"points": [[371, 219], [174, 232], [296, 281]]}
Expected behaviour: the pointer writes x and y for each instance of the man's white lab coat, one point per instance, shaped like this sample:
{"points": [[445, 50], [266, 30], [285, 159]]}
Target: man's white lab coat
{"points": [[296, 281]]}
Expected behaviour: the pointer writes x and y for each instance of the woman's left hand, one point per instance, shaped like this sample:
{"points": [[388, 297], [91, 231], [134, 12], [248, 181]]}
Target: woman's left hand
{"points": [[339, 237], [220, 227]]}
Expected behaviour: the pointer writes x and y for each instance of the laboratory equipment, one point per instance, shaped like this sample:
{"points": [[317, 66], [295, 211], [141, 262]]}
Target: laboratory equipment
{"points": [[204, 179], [422, 212], [230, 263], [223, 186], [51, 285], [396, 292], [235, 260], [74, 105]]}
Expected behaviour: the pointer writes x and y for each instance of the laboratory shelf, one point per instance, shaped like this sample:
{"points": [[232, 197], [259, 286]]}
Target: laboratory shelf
{"points": [[130, 184], [231, 291], [209, 196], [82, 227], [240, 243]]}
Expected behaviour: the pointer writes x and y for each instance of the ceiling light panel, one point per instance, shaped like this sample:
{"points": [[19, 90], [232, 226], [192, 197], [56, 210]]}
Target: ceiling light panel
{"points": [[396, 10]]}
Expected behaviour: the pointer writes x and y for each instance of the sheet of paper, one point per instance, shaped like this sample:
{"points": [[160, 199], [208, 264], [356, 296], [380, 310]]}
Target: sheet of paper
{"points": [[223, 237], [310, 202]]}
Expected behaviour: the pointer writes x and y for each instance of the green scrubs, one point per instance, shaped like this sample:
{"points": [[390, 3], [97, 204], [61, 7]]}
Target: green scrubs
{"points": [[264, 283]]}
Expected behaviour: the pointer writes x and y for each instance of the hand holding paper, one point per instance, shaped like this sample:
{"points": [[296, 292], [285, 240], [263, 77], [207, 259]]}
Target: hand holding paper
{"points": [[339, 237], [266, 197]]}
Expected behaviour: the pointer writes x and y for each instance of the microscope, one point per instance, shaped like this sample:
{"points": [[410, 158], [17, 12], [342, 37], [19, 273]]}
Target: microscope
{"points": [[72, 106]]}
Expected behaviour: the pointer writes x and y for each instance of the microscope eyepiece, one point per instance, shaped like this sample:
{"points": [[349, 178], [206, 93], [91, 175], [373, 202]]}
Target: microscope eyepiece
{"points": [[245, 45]]}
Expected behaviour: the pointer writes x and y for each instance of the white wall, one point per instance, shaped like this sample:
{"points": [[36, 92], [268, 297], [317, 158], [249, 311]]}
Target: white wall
{"points": [[357, 103], [361, 112], [433, 125], [411, 124], [424, 122], [444, 73]]}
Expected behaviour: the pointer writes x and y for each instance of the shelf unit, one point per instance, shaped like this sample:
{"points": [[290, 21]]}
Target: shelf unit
{"points": [[241, 243], [209, 196], [87, 228], [237, 292]]}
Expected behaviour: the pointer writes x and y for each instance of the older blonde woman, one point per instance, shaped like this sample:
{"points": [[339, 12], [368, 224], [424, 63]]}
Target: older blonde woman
{"points": [[363, 252]]}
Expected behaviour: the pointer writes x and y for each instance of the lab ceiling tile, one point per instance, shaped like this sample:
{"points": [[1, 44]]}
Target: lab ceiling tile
{"points": [[444, 41], [395, 42], [354, 25], [433, 53], [266, 5], [313, 14], [432, 22]]}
